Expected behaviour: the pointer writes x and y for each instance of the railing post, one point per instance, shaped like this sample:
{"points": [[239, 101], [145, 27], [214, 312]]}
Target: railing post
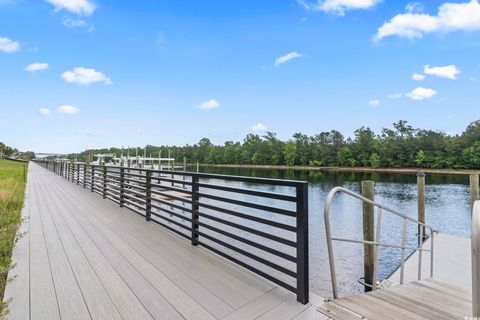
{"points": [[78, 174], [148, 199], [122, 185], [303, 288], [84, 175], [421, 206], [195, 216], [476, 259], [104, 191], [92, 180], [368, 235]]}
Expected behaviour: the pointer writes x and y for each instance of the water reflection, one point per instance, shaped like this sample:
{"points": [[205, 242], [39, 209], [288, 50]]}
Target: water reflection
{"points": [[447, 210]]}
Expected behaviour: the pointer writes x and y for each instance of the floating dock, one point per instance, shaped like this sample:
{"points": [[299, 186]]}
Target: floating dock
{"points": [[448, 295]]}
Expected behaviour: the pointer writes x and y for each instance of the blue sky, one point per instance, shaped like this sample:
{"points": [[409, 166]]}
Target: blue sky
{"points": [[174, 71]]}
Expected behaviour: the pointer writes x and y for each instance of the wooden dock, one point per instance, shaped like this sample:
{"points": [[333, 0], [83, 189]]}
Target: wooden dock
{"points": [[81, 257], [447, 296]]}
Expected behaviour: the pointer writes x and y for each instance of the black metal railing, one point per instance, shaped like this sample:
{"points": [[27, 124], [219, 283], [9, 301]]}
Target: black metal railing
{"points": [[260, 224]]}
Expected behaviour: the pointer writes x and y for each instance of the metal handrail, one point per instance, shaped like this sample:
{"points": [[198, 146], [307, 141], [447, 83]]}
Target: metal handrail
{"points": [[476, 259], [377, 242]]}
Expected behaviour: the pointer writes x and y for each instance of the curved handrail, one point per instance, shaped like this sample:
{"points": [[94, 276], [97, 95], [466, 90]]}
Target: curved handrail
{"points": [[375, 243]]}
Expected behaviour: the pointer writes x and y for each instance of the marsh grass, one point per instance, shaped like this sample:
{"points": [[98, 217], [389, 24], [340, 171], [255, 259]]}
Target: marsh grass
{"points": [[12, 190]]}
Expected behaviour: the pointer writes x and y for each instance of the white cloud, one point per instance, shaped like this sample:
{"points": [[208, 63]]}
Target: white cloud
{"points": [[36, 67], [68, 109], [259, 127], [394, 96], [208, 105], [44, 111], [80, 7], [77, 23], [449, 72], [85, 76], [421, 93], [418, 77], [338, 7], [374, 103], [9, 46], [450, 17], [414, 7], [287, 57]]}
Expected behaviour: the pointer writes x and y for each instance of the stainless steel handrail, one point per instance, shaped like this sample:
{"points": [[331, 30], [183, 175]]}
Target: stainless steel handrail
{"points": [[377, 242], [476, 259]]}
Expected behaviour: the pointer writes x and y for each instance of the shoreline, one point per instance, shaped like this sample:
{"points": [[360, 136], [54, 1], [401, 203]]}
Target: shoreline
{"points": [[349, 169]]}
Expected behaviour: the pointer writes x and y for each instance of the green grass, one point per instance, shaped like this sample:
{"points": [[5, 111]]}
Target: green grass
{"points": [[12, 190]]}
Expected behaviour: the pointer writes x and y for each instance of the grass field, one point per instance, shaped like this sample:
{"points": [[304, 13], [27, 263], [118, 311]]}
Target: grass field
{"points": [[12, 190]]}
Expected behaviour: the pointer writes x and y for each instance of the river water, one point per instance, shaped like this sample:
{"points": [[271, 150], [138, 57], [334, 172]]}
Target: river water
{"points": [[447, 210]]}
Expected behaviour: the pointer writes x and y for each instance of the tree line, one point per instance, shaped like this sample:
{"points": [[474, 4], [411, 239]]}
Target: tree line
{"points": [[7, 152], [399, 147]]}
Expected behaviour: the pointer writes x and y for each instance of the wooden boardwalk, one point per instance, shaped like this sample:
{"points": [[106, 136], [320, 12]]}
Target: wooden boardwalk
{"points": [[81, 257]]}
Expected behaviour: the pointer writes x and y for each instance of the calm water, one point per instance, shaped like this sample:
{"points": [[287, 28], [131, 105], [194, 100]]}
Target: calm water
{"points": [[447, 210]]}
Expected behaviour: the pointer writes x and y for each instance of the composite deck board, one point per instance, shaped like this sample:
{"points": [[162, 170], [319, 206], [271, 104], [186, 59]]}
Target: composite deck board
{"points": [[223, 279], [185, 305], [124, 299], [83, 257], [94, 293], [222, 276], [420, 300], [43, 297]]}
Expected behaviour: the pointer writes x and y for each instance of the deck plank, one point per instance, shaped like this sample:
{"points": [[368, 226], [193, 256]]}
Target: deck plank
{"points": [[259, 306], [71, 302], [225, 279], [124, 299], [43, 298], [411, 301], [96, 298]]}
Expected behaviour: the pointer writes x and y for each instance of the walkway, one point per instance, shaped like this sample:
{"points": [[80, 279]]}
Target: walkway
{"points": [[81, 257]]}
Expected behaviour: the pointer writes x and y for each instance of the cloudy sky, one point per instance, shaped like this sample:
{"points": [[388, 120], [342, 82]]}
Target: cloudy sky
{"points": [[76, 74]]}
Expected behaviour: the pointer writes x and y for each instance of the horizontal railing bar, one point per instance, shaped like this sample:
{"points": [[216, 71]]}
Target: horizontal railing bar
{"points": [[187, 191], [171, 204], [158, 193], [139, 194], [249, 255], [250, 217], [250, 230], [175, 181], [380, 244], [249, 267], [128, 198], [171, 221], [134, 180], [265, 194], [279, 182], [172, 213], [249, 242], [249, 204]]}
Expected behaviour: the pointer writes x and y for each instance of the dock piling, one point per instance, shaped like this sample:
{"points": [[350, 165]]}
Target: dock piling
{"points": [[368, 234], [473, 189]]}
